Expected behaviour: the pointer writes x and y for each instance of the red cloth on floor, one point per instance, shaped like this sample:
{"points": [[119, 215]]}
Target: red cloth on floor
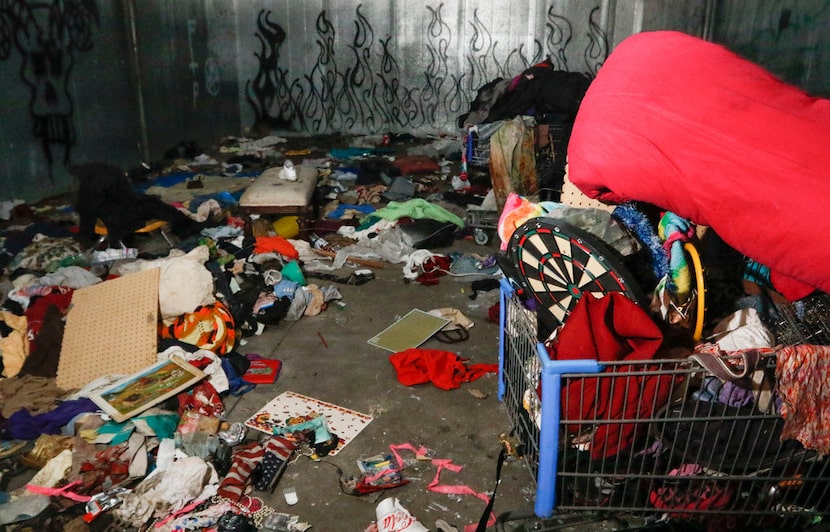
{"points": [[444, 369], [610, 328], [276, 244], [416, 164], [433, 269], [60, 297], [715, 139]]}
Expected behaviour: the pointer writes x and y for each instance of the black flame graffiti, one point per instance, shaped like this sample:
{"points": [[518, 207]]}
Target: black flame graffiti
{"points": [[362, 91], [560, 33], [390, 87], [268, 93], [360, 82], [597, 51], [319, 104], [439, 38]]}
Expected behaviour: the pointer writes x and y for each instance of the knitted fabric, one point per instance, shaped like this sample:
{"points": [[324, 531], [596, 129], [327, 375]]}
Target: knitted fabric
{"points": [[674, 231]]}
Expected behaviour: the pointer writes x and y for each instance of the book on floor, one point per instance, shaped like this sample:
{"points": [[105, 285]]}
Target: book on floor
{"points": [[262, 371]]}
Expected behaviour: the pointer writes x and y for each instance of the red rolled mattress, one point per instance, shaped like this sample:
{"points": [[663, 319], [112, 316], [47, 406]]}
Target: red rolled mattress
{"points": [[689, 126]]}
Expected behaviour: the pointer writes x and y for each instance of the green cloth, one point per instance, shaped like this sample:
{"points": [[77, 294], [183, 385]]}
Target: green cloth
{"points": [[162, 424], [415, 208]]}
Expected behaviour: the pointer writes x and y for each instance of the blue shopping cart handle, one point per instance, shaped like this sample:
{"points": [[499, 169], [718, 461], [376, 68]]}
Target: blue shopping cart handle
{"points": [[562, 367]]}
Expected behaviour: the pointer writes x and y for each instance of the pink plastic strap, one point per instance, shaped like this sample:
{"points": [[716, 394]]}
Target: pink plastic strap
{"points": [[420, 451], [187, 509], [458, 489], [59, 492], [434, 486]]}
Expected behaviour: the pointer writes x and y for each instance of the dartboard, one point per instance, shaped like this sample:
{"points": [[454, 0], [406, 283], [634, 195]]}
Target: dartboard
{"points": [[558, 263]]}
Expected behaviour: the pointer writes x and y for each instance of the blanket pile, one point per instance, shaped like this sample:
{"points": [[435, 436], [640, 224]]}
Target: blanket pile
{"points": [[687, 125]]}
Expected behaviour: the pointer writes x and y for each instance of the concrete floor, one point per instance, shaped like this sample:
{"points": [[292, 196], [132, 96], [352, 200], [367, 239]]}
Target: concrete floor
{"points": [[463, 425], [327, 357], [347, 371]]}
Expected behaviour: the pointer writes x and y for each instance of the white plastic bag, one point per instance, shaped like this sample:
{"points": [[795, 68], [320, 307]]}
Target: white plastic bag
{"points": [[392, 517]]}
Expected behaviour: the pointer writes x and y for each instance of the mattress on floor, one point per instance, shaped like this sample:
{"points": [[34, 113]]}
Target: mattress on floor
{"points": [[271, 190]]}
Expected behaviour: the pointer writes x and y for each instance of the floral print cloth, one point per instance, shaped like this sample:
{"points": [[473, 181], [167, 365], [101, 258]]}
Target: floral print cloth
{"points": [[803, 376]]}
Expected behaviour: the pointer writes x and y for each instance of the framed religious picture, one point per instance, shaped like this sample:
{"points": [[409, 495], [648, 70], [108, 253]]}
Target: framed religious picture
{"points": [[136, 393]]}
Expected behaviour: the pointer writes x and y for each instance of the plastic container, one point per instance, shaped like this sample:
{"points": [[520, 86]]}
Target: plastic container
{"points": [[287, 226], [288, 172], [292, 272]]}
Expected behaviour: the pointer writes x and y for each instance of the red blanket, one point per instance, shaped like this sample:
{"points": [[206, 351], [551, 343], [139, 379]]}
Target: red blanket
{"points": [[690, 127], [444, 369], [610, 329]]}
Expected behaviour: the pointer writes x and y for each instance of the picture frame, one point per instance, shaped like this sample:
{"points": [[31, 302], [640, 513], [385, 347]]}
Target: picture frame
{"points": [[136, 393], [412, 330]]}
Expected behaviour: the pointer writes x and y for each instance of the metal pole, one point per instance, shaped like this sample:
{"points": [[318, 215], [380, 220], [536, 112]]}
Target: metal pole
{"points": [[709, 19], [135, 65]]}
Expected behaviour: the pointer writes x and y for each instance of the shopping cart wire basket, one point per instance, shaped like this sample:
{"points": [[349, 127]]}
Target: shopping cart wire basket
{"points": [[691, 457]]}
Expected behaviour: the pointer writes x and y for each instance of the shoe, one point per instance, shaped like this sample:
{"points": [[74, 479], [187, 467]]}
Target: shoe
{"points": [[12, 447]]}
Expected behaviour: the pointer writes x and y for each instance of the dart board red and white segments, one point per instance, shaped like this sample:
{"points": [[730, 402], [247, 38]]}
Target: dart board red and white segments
{"points": [[559, 262]]}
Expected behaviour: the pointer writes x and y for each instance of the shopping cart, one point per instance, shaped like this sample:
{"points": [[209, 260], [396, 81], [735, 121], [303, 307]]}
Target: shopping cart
{"points": [[686, 459], [484, 223]]}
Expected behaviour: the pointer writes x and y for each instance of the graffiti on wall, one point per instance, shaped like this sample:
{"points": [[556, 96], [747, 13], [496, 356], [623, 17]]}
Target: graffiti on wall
{"points": [[193, 65], [363, 89], [266, 92], [47, 35], [206, 78]]}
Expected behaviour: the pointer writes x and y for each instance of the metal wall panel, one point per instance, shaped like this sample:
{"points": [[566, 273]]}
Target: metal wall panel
{"points": [[789, 37], [383, 66], [186, 52], [65, 93], [156, 73]]}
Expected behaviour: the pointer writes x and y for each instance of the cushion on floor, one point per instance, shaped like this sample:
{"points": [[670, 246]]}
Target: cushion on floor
{"points": [[270, 190]]}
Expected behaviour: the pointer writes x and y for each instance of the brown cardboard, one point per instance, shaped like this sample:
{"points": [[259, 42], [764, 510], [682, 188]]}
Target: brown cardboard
{"points": [[111, 329]]}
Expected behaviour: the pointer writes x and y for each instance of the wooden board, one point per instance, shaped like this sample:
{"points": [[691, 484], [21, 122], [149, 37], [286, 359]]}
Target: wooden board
{"points": [[111, 329]]}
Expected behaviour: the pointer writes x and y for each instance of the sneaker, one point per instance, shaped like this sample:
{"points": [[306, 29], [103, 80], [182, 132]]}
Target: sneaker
{"points": [[12, 447]]}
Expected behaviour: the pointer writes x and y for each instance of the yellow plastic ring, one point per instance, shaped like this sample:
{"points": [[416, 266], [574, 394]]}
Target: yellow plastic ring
{"points": [[700, 311]]}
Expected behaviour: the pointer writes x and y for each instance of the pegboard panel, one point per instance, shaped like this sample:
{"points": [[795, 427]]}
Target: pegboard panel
{"points": [[111, 328], [573, 197]]}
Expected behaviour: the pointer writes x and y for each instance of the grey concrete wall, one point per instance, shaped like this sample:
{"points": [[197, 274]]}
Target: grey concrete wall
{"points": [[138, 77], [65, 92]]}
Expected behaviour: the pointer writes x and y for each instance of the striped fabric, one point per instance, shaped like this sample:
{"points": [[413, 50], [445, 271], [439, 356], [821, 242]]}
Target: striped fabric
{"points": [[245, 460], [278, 451]]}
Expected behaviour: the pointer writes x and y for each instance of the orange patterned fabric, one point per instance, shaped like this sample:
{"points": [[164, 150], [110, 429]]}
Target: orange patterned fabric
{"points": [[208, 327]]}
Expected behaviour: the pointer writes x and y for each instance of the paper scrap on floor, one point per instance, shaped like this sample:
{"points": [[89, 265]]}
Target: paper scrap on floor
{"points": [[415, 328], [344, 423]]}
